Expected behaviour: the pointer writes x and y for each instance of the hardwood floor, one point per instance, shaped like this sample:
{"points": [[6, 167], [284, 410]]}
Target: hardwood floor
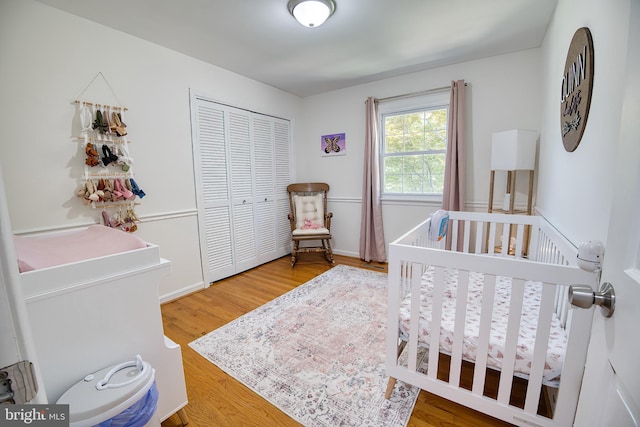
{"points": [[216, 399]]}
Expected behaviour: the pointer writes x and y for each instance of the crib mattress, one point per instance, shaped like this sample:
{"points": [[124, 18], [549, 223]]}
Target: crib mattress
{"points": [[528, 323]]}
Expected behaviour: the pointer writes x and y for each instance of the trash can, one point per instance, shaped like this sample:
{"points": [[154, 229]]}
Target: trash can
{"points": [[119, 395]]}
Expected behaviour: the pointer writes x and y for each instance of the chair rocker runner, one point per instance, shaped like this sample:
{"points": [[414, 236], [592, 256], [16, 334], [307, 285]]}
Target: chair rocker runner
{"points": [[309, 219]]}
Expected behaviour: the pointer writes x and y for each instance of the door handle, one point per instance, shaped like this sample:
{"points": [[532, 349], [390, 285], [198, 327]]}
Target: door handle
{"points": [[584, 297]]}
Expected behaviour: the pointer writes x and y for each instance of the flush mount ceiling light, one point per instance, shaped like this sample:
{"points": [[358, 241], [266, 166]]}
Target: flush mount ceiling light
{"points": [[311, 13]]}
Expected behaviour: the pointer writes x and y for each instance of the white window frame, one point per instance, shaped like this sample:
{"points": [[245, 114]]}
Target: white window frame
{"points": [[401, 106]]}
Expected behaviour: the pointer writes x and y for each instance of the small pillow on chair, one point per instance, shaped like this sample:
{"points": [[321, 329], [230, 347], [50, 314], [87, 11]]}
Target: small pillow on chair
{"points": [[308, 208], [310, 232]]}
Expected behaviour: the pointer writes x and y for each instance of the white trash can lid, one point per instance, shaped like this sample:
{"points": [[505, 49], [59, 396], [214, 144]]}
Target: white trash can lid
{"points": [[108, 392]]}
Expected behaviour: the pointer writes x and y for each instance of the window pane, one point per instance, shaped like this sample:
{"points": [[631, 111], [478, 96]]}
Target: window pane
{"points": [[393, 175], [434, 173], [437, 119], [413, 183], [414, 142], [394, 144], [414, 151], [393, 134], [413, 174], [414, 123], [436, 140]]}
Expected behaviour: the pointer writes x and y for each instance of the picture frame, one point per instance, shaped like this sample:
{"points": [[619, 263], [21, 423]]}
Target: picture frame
{"points": [[334, 144]]}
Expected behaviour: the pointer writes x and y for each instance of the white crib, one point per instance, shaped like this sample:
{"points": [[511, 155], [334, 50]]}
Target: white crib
{"points": [[489, 252]]}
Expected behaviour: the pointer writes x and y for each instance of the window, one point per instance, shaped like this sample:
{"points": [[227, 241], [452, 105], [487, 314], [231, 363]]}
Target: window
{"points": [[414, 146]]}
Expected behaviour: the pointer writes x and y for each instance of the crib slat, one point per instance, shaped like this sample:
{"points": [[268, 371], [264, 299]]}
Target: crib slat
{"points": [[492, 238], [480, 370], [479, 235], [563, 310], [506, 233], [561, 304], [458, 331], [511, 340], [519, 240], [405, 279], [467, 236], [557, 304], [453, 229], [540, 349], [532, 249], [415, 318], [544, 250], [436, 316]]}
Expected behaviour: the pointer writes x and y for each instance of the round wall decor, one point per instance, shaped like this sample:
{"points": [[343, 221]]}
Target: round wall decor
{"points": [[577, 85]]}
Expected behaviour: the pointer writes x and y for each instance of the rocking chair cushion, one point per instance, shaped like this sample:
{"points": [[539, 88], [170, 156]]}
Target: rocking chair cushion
{"points": [[310, 231], [309, 208]]}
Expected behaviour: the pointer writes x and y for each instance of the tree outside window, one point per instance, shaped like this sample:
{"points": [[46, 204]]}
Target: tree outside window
{"points": [[414, 151]]}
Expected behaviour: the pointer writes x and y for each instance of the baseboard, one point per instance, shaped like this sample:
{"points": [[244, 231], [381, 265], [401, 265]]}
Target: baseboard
{"points": [[181, 292], [346, 253]]}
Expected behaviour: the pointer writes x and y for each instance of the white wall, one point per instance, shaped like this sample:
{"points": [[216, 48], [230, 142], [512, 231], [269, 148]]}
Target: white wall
{"points": [[503, 93], [48, 58], [574, 189]]}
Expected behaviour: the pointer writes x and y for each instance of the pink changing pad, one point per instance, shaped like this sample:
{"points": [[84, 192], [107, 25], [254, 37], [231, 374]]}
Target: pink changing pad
{"points": [[36, 252]]}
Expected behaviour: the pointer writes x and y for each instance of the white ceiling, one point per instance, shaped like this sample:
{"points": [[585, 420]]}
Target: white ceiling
{"points": [[365, 40]]}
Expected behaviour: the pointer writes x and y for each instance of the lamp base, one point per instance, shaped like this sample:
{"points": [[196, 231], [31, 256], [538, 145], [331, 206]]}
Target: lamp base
{"points": [[506, 202]]}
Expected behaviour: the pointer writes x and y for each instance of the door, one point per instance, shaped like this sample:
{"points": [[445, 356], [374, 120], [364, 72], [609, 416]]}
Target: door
{"points": [[610, 394], [272, 156], [283, 177], [213, 189], [264, 187], [242, 175], [223, 161]]}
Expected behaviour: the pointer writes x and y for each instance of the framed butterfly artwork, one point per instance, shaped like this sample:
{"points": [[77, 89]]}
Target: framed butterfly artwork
{"points": [[333, 145]]}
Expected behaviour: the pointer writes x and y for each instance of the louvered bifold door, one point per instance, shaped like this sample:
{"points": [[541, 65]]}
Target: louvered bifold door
{"points": [[214, 196], [243, 166], [283, 177], [264, 185], [240, 150]]}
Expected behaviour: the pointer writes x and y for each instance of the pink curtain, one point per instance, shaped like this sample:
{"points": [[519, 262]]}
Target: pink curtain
{"points": [[372, 246], [454, 193]]}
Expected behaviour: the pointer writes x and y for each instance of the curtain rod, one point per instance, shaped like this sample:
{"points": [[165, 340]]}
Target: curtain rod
{"points": [[421, 92]]}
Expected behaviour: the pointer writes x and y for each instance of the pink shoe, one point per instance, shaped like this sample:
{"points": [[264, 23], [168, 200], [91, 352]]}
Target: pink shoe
{"points": [[116, 194], [121, 191]]}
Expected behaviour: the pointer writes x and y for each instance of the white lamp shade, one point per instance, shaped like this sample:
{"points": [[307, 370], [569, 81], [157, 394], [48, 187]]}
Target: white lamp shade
{"points": [[514, 150], [311, 13]]}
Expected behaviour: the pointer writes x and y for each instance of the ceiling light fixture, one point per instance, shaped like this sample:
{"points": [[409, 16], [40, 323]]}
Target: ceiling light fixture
{"points": [[311, 13]]}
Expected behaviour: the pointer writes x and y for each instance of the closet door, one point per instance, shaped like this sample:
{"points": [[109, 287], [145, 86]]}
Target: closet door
{"points": [[283, 165], [265, 203], [243, 166], [242, 179], [213, 190]]}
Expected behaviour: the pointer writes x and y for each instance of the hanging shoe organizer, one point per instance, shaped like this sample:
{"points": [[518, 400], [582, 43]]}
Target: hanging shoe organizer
{"points": [[108, 182]]}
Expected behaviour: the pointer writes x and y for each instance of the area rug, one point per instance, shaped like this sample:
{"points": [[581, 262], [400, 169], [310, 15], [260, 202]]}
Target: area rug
{"points": [[317, 352]]}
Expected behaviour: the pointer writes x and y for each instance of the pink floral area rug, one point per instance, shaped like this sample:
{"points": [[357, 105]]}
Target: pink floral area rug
{"points": [[317, 352]]}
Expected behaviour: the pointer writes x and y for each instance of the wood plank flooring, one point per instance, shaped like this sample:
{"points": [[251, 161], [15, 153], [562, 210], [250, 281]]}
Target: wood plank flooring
{"points": [[216, 399]]}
